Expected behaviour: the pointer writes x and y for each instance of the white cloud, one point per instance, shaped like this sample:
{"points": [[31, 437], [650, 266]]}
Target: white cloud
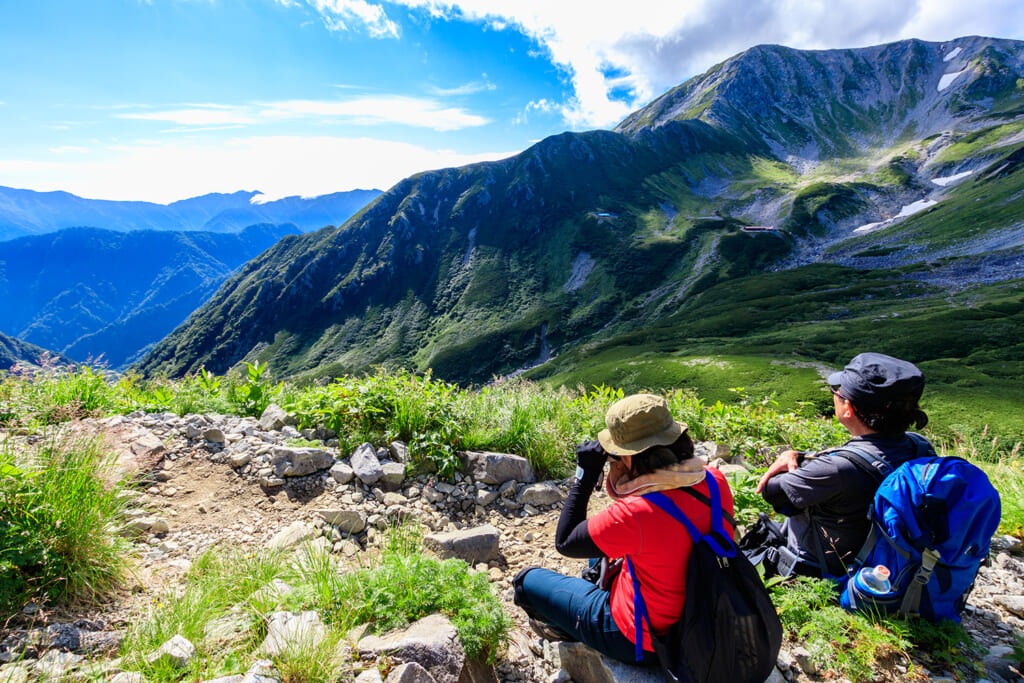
{"points": [[279, 166], [69, 149], [654, 45], [349, 15], [465, 89], [388, 109], [393, 109]]}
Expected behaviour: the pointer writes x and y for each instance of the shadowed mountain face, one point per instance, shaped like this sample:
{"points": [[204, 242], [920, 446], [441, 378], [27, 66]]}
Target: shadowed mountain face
{"points": [[15, 352], [904, 157], [24, 212], [92, 293]]}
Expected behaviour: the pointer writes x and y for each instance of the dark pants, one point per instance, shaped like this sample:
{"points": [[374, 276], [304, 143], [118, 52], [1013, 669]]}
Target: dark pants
{"points": [[579, 608]]}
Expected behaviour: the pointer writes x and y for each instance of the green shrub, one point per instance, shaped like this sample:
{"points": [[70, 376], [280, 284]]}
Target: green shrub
{"points": [[59, 517]]}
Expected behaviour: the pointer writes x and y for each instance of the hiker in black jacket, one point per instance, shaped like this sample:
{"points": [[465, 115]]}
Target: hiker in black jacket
{"points": [[826, 495]]}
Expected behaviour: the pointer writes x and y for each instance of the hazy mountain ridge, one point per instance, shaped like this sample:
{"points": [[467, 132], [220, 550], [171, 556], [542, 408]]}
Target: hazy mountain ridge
{"points": [[477, 270], [14, 352], [25, 212], [88, 292]]}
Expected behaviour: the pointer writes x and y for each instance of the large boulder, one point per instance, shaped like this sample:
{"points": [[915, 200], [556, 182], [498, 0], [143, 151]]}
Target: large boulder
{"points": [[366, 465], [479, 544], [431, 642], [346, 521], [299, 462], [497, 468], [293, 632], [585, 664], [292, 535], [273, 418], [544, 493]]}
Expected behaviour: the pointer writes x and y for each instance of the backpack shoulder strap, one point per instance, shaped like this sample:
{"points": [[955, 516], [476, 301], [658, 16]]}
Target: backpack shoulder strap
{"points": [[693, 493], [717, 539], [874, 465]]}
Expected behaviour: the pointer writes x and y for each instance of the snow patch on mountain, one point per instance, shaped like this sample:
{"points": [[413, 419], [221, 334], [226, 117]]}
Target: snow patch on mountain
{"points": [[947, 79]]}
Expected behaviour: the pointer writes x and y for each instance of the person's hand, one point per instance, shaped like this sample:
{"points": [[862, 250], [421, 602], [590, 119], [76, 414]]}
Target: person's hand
{"points": [[786, 462], [590, 456]]}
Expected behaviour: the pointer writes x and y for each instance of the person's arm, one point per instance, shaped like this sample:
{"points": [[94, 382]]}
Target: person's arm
{"points": [[572, 538], [815, 481]]}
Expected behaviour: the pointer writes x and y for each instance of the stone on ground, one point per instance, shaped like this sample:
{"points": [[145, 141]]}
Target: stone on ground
{"points": [[273, 418], [293, 632], [479, 544], [410, 672], [544, 493], [366, 465], [299, 462], [497, 468], [585, 664], [432, 642], [292, 535], [177, 652]]}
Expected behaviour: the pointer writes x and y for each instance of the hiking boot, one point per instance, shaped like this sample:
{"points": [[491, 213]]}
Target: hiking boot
{"points": [[549, 631]]}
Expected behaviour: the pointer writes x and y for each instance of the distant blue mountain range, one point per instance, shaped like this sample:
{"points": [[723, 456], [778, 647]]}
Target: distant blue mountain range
{"points": [[91, 293], [26, 212]]}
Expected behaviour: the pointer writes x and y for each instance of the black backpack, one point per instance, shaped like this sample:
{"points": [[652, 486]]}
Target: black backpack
{"points": [[729, 629]]}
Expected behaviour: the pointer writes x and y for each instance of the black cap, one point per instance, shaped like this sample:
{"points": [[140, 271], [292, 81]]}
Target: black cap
{"points": [[874, 380]]}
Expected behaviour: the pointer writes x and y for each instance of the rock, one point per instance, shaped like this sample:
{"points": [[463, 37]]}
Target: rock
{"points": [[432, 495], [214, 435], [227, 629], [393, 474], [410, 672], [16, 673], [63, 637], [236, 678], [497, 468], [366, 465], [1004, 543], [369, 676], [293, 535], [479, 544], [776, 677], [54, 664], [101, 642], [399, 451], [485, 497], [728, 469], [262, 671], [1013, 603], [159, 526], [998, 662], [236, 460], [346, 521], [299, 462], [177, 652], [273, 418], [341, 472], [544, 493], [394, 499], [293, 632], [125, 677], [803, 658], [584, 664], [432, 642], [710, 451]]}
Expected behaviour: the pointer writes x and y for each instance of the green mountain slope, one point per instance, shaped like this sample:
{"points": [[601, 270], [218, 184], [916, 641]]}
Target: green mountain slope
{"points": [[641, 237], [14, 352]]}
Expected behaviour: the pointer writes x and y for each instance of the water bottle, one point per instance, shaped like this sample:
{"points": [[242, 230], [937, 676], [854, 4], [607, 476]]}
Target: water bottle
{"points": [[875, 579]]}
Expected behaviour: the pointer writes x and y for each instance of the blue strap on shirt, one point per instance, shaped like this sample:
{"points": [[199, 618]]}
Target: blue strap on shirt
{"points": [[718, 540]]}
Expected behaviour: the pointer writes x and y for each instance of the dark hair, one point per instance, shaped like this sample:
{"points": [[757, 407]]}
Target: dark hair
{"points": [[657, 457], [895, 417]]}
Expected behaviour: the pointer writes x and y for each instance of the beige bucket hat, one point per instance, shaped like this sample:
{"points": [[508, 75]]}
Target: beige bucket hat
{"points": [[637, 423]]}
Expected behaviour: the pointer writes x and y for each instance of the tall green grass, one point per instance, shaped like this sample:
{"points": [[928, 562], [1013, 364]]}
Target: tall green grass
{"points": [[60, 513]]}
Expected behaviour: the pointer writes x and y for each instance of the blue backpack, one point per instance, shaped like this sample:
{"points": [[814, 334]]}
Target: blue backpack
{"points": [[933, 521]]}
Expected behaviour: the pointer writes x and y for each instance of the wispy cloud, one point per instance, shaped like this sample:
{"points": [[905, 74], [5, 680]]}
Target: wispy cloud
{"points": [[465, 89], [351, 15], [391, 109]]}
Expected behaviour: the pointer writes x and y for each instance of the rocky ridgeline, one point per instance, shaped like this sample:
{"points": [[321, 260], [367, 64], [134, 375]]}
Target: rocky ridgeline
{"points": [[207, 480]]}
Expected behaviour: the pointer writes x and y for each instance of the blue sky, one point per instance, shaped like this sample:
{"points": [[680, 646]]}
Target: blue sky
{"points": [[160, 100]]}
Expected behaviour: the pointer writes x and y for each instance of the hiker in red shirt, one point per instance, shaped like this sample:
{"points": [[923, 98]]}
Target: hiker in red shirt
{"points": [[649, 451]]}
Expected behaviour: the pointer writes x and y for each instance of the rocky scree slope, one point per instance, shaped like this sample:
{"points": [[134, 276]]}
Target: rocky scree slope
{"points": [[478, 270], [215, 480]]}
